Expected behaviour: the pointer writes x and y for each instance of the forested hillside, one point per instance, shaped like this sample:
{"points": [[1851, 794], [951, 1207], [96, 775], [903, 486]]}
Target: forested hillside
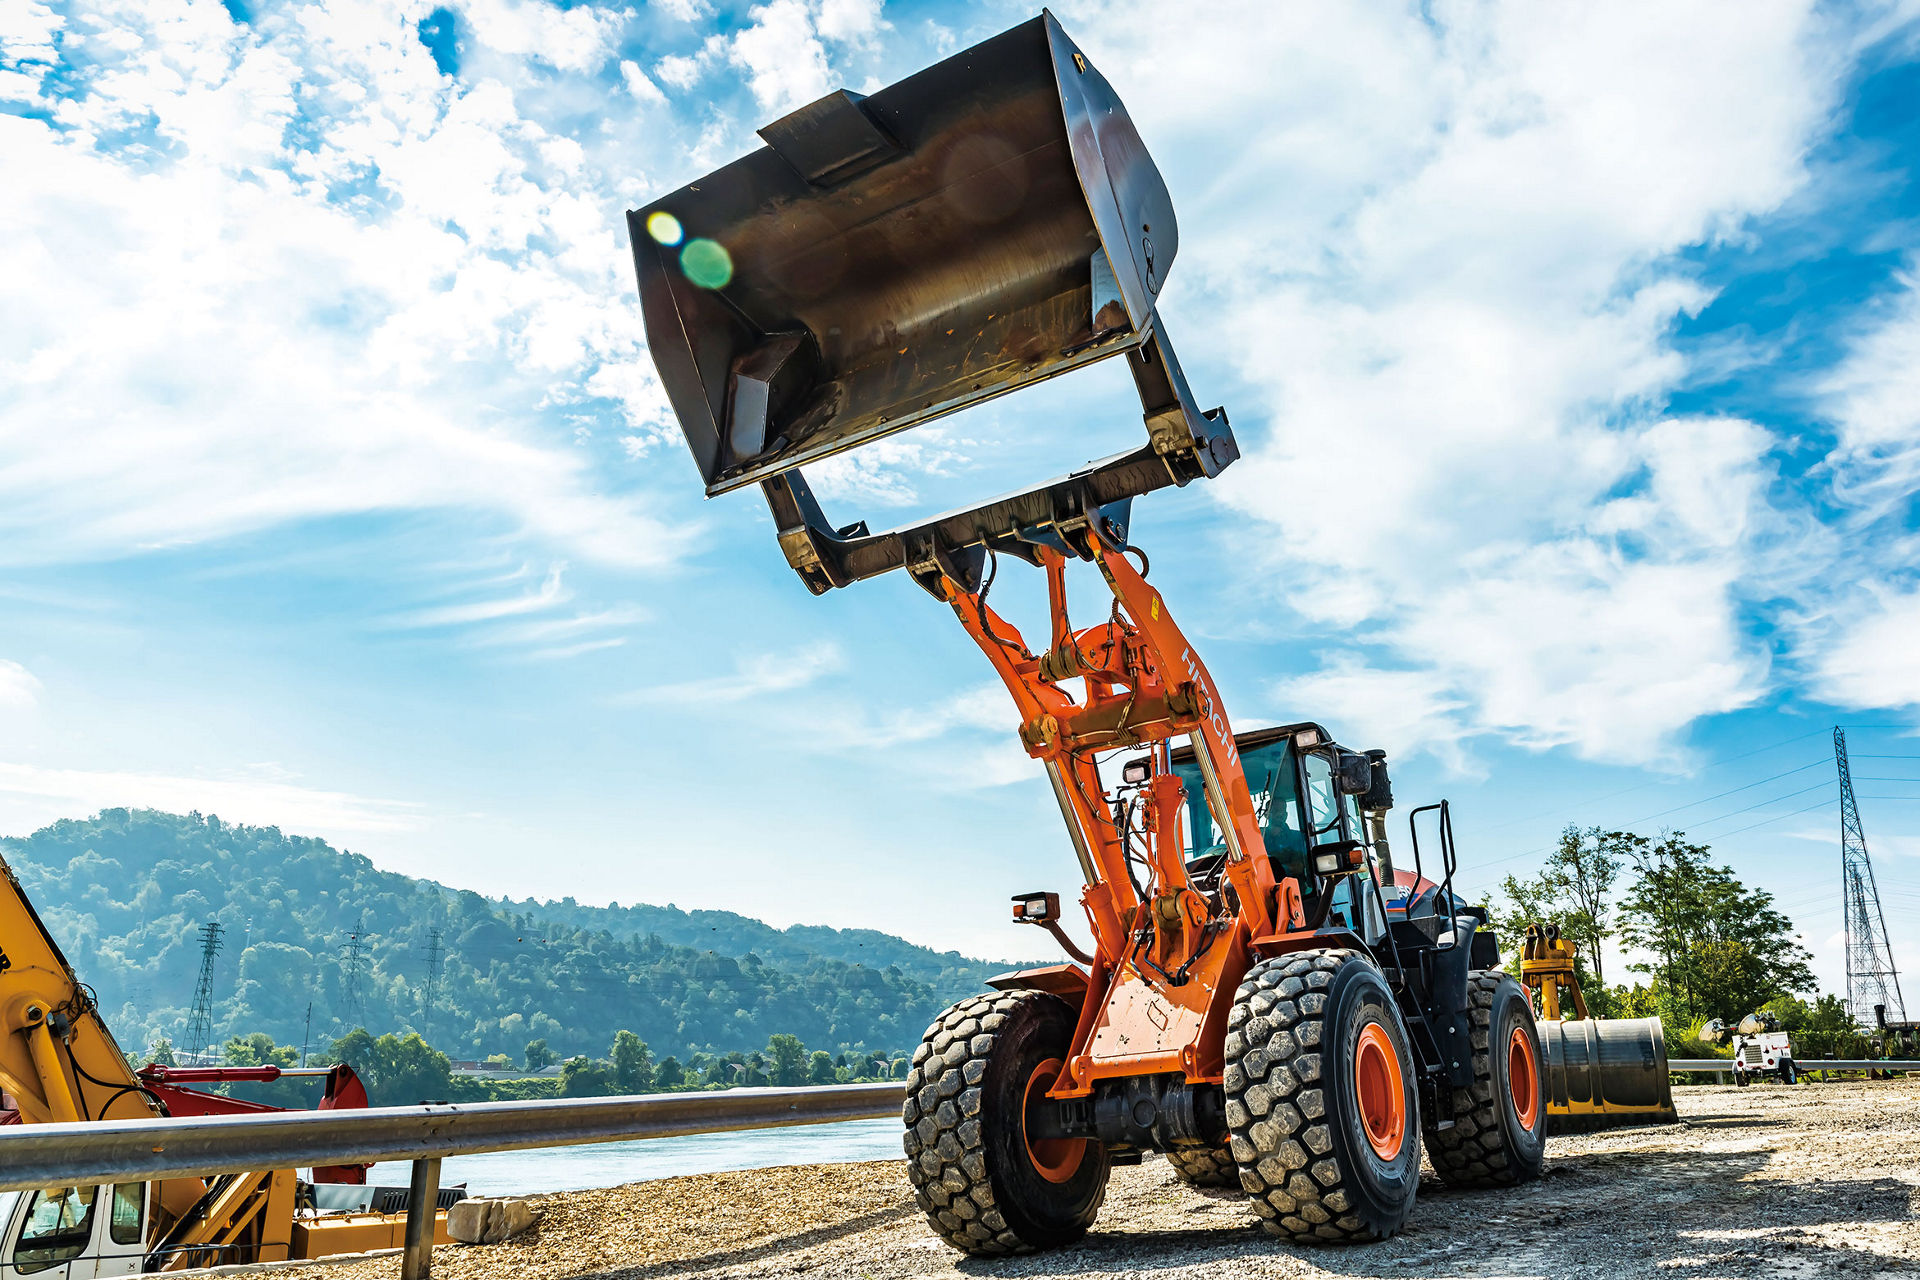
{"points": [[126, 892]]}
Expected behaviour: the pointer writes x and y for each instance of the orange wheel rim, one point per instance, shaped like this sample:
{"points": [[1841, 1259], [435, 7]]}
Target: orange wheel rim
{"points": [[1523, 1077], [1055, 1159], [1378, 1088]]}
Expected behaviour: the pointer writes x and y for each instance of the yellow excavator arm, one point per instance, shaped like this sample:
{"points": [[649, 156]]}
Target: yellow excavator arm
{"points": [[58, 1061]]}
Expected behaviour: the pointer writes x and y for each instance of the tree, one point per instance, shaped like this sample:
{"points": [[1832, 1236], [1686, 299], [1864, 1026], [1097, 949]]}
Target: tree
{"points": [[788, 1058], [1720, 949], [498, 1062], [539, 1057], [669, 1074], [820, 1068], [1573, 889], [161, 1051], [397, 1070], [632, 1063], [258, 1050], [582, 1077]]}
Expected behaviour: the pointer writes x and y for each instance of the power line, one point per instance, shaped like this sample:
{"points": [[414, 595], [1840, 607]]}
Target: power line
{"points": [[1710, 764], [1759, 804], [1778, 817], [1748, 787]]}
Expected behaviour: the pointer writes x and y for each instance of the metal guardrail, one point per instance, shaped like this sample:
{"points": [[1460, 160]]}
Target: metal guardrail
{"points": [[1725, 1065], [54, 1155]]}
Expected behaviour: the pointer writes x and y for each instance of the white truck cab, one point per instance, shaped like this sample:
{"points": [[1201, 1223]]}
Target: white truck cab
{"points": [[73, 1233]]}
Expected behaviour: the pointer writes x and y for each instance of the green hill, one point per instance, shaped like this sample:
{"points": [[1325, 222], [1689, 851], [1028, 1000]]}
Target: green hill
{"points": [[125, 893]]}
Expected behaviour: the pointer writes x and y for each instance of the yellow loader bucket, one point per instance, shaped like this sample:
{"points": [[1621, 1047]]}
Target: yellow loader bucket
{"points": [[885, 259], [1606, 1072], [1602, 1073]]}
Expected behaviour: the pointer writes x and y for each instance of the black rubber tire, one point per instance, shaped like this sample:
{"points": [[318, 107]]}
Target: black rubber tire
{"points": [[1789, 1074], [1292, 1109], [1740, 1077], [966, 1129], [1488, 1146], [1205, 1166]]}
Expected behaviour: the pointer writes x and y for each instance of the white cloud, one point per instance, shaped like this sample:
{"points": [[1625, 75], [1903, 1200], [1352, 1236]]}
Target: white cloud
{"points": [[264, 796], [752, 677], [18, 687], [684, 10], [1873, 659], [883, 473], [1443, 266], [643, 90], [781, 52], [29, 33], [849, 21], [783, 49], [569, 39], [331, 283], [1873, 397]]}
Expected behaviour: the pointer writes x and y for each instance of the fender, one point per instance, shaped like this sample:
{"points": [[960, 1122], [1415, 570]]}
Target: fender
{"points": [[1068, 981]]}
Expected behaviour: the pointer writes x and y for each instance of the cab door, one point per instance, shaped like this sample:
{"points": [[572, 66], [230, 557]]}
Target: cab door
{"points": [[50, 1235], [119, 1233]]}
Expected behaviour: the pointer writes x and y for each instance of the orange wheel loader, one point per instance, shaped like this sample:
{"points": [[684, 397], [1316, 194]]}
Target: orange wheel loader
{"points": [[1268, 1000]]}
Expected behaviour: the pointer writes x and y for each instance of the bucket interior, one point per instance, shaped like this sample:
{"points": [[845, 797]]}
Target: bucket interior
{"points": [[986, 223]]}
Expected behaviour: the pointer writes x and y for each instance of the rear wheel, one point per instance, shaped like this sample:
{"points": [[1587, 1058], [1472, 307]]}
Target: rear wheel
{"points": [[1205, 1166], [985, 1187], [1320, 1098], [1499, 1128]]}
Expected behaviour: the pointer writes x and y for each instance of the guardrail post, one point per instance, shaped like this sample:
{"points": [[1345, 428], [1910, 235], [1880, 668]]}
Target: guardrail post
{"points": [[422, 1204]]}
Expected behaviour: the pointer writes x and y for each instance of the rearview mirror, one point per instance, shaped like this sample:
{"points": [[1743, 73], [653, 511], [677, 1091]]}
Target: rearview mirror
{"points": [[1353, 774]]}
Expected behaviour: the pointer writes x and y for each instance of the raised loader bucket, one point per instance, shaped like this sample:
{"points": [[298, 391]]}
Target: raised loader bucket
{"points": [[1606, 1072], [986, 223]]}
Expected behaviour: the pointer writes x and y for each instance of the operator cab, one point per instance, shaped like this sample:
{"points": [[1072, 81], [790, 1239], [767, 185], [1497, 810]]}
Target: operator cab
{"points": [[1309, 793]]}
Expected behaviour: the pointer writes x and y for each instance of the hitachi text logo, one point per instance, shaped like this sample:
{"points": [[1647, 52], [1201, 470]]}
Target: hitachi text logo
{"points": [[1211, 711]]}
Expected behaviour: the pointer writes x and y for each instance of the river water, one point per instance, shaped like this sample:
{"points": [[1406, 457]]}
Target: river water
{"points": [[608, 1164]]}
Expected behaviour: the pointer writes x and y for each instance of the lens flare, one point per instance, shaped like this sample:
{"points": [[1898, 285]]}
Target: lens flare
{"points": [[707, 264], [664, 227]]}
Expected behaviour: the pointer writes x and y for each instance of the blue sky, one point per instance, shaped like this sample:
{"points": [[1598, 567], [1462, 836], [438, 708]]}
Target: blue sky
{"points": [[1573, 353]]}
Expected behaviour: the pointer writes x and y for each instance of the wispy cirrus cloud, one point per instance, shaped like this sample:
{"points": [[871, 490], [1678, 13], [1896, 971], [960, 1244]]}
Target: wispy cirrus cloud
{"points": [[550, 593], [753, 676]]}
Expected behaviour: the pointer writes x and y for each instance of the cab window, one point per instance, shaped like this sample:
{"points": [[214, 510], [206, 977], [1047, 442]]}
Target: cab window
{"points": [[1323, 802], [124, 1224], [58, 1226], [1271, 781]]}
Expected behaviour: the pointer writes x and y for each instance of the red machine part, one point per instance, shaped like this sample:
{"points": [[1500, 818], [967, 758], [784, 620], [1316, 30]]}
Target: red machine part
{"points": [[344, 1091]]}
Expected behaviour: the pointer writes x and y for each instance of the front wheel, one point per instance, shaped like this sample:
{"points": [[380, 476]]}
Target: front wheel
{"points": [[1321, 1103], [985, 1186], [1499, 1128], [1789, 1074]]}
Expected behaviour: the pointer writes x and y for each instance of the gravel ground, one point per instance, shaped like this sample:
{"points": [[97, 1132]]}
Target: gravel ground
{"points": [[1768, 1181]]}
